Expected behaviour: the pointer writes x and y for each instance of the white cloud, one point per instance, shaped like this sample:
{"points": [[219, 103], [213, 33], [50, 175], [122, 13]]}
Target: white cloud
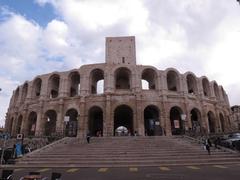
{"points": [[190, 35]]}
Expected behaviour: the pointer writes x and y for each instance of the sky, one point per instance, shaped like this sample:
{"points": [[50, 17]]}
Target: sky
{"points": [[42, 36]]}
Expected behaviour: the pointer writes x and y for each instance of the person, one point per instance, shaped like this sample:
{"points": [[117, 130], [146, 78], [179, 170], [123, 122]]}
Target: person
{"points": [[209, 142], [207, 146], [135, 133], [88, 137]]}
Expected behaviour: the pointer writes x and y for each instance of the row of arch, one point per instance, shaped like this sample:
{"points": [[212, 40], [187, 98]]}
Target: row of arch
{"points": [[122, 80], [123, 117]]}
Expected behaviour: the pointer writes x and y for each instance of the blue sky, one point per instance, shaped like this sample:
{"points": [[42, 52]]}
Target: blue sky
{"points": [[42, 36], [31, 10]]}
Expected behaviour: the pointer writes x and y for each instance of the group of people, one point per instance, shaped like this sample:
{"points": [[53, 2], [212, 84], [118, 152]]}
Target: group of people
{"points": [[207, 143]]}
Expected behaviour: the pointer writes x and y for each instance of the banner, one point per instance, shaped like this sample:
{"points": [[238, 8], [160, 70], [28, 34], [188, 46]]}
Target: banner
{"points": [[176, 124]]}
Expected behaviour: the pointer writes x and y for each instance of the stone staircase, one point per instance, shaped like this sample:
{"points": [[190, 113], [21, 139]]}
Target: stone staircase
{"points": [[125, 152]]}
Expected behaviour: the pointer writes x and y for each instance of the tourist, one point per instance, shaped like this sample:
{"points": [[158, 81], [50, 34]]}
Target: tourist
{"points": [[207, 145], [88, 138]]}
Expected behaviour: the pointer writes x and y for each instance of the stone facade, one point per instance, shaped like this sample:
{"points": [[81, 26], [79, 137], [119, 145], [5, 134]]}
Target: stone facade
{"points": [[235, 116], [98, 98]]}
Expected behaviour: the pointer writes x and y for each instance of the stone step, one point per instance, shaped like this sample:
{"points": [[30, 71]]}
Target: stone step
{"points": [[125, 152], [122, 162]]}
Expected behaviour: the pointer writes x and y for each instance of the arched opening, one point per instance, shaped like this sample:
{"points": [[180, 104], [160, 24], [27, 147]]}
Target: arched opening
{"points": [[24, 92], [196, 120], [19, 124], [37, 85], [16, 96], [149, 76], [53, 85], [50, 122], [123, 116], [74, 89], [206, 87], [172, 81], [222, 122], [177, 125], [191, 84], [216, 91], [71, 122], [97, 81], [151, 121], [211, 122], [95, 121], [32, 120], [122, 78]]}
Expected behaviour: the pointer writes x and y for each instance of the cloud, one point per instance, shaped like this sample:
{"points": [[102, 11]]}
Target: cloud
{"points": [[190, 35]]}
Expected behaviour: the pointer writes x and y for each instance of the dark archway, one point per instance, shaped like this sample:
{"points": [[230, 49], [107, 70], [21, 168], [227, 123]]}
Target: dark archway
{"points": [[206, 87], [24, 92], [150, 77], [19, 124], [123, 116], [97, 81], [53, 86], [50, 122], [95, 121], [151, 121], [177, 124], [37, 86], [74, 80], [222, 122], [71, 123], [196, 120], [211, 122], [32, 120], [172, 81], [192, 84], [122, 78]]}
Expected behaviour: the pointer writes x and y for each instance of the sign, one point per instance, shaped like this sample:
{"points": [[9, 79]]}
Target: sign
{"points": [[183, 117], [19, 150], [176, 124], [66, 118], [33, 127], [20, 136]]}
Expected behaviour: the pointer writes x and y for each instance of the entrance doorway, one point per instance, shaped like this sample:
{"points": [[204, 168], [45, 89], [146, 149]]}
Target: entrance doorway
{"points": [[95, 121], [123, 116], [50, 122], [72, 123], [176, 122], [211, 122], [195, 119], [151, 121]]}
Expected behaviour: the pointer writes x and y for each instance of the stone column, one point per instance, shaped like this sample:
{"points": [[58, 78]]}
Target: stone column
{"points": [[205, 121], [108, 125], [82, 129], [139, 116], [60, 117], [40, 121], [24, 125]]}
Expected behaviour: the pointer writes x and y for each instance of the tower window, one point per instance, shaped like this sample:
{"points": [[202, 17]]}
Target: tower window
{"points": [[123, 59]]}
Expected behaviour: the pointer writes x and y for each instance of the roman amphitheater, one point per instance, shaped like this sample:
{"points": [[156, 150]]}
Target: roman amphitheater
{"points": [[102, 98]]}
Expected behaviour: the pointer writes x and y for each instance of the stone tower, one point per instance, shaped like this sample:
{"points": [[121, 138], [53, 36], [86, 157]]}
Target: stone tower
{"points": [[120, 50]]}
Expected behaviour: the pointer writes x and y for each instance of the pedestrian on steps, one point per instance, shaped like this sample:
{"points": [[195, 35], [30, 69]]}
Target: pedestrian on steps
{"points": [[88, 138], [207, 145]]}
